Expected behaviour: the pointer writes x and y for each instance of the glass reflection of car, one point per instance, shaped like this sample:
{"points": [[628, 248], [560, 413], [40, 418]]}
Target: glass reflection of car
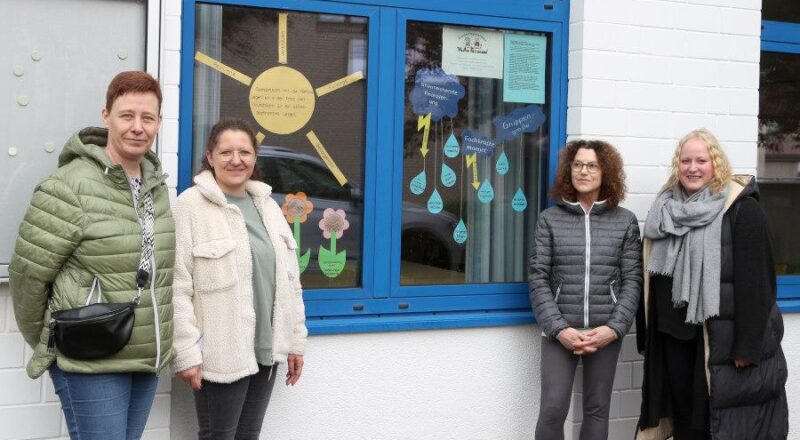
{"points": [[427, 237]]}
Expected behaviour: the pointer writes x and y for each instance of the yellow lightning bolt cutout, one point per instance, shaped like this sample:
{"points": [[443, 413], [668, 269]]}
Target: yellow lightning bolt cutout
{"points": [[424, 121], [472, 161]]}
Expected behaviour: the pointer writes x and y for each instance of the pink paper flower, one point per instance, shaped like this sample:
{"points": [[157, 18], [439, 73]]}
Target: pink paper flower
{"points": [[333, 221]]}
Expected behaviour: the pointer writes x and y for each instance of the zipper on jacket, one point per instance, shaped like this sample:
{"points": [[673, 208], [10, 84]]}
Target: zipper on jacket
{"points": [[156, 322], [611, 289], [587, 273], [51, 339]]}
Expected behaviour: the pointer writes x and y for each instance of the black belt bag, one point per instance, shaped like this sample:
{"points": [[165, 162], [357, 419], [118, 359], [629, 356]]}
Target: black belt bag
{"points": [[94, 331]]}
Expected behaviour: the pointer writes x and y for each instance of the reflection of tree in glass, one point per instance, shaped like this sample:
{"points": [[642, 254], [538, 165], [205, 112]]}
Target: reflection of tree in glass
{"points": [[781, 10], [779, 126], [239, 30]]}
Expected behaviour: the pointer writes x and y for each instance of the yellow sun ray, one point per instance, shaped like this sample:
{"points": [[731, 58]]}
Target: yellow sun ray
{"points": [[282, 38], [223, 69], [339, 83], [282, 87], [323, 153]]}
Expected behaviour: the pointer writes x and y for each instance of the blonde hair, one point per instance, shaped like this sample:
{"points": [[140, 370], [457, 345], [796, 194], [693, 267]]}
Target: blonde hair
{"points": [[722, 167]]}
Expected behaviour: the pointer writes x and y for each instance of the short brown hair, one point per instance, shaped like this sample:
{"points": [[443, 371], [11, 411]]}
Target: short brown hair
{"points": [[612, 187], [133, 81], [213, 139]]}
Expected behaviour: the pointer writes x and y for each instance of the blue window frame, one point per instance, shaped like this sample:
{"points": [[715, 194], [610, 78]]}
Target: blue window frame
{"points": [[783, 38], [381, 303]]}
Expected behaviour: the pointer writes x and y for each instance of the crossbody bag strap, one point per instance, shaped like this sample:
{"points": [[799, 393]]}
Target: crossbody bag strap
{"points": [[147, 222]]}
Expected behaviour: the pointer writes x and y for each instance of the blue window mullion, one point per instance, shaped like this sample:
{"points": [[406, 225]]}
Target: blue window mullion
{"points": [[384, 148], [398, 117], [186, 97]]}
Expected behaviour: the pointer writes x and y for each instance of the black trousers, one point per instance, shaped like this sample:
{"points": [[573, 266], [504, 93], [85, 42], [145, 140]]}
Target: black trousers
{"points": [[685, 378], [234, 411]]}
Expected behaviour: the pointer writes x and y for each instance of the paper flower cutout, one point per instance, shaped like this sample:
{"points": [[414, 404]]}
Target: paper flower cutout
{"points": [[297, 206], [334, 222]]}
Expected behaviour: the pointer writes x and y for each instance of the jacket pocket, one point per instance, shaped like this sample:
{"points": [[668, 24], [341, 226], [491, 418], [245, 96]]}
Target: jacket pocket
{"points": [[611, 291], [214, 265]]}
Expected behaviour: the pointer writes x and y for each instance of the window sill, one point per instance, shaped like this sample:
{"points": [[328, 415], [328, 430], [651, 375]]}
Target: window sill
{"points": [[427, 321]]}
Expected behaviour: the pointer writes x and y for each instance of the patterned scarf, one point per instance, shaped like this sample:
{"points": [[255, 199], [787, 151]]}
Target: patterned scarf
{"points": [[147, 220]]}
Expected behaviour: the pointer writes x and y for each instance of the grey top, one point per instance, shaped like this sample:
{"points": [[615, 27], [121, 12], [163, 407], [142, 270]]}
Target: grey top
{"points": [[263, 256], [586, 268]]}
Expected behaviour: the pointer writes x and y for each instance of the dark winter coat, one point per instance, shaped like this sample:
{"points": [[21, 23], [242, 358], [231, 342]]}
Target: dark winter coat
{"points": [[744, 403], [586, 268]]}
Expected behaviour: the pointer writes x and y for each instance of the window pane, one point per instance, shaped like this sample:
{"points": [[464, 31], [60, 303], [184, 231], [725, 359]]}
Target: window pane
{"points": [[779, 154], [271, 68], [471, 172], [781, 10]]}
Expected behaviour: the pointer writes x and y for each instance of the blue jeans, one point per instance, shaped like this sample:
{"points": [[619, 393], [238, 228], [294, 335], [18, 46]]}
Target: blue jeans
{"points": [[105, 406]]}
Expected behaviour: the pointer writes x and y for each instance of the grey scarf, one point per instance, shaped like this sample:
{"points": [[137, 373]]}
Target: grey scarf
{"points": [[686, 235]]}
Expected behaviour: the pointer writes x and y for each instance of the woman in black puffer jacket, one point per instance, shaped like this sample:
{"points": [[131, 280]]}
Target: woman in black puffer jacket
{"points": [[585, 278], [708, 324]]}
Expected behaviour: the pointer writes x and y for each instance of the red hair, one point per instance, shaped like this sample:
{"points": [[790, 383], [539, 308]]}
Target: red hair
{"points": [[133, 81]]}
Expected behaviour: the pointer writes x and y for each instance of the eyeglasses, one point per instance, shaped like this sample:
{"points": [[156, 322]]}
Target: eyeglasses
{"points": [[244, 155], [591, 167]]}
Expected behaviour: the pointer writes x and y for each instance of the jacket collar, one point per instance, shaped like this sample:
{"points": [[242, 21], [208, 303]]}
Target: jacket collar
{"points": [[207, 185], [90, 143], [597, 207]]}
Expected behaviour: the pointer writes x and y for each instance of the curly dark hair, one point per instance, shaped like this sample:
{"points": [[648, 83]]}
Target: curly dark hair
{"points": [[612, 187], [213, 139]]}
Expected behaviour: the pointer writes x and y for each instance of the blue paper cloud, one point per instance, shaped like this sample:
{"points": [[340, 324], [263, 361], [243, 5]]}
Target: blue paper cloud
{"points": [[474, 142], [437, 93], [522, 120]]}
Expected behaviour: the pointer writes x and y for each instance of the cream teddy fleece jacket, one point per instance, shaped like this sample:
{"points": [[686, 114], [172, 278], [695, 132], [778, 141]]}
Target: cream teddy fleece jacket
{"points": [[213, 290]]}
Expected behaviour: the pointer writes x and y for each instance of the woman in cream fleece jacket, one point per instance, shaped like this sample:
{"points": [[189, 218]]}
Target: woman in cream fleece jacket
{"points": [[236, 292]]}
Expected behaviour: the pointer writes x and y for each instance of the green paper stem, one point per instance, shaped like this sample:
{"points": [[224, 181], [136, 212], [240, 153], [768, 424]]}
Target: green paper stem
{"points": [[297, 235]]}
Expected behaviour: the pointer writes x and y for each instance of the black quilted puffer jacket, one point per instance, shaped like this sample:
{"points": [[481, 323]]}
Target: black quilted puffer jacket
{"points": [[586, 268]]}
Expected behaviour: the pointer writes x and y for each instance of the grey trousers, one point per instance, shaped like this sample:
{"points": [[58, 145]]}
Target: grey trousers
{"points": [[558, 373], [234, 411]]}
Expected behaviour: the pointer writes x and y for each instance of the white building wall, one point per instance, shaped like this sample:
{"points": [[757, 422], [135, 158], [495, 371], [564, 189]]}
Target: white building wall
{"points": [[472, 384]]}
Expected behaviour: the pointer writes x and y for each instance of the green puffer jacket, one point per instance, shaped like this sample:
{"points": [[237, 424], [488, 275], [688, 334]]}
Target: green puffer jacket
{"points": [[82, 224]]}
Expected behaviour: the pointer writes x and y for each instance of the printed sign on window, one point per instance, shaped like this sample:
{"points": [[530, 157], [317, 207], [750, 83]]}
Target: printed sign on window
{"points": [[472, 52]]}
